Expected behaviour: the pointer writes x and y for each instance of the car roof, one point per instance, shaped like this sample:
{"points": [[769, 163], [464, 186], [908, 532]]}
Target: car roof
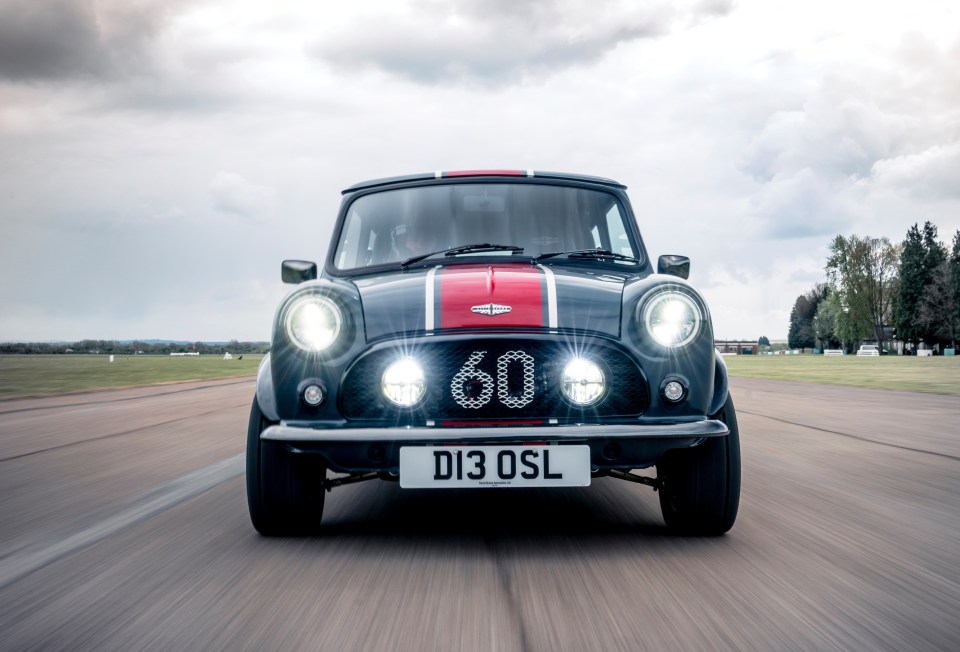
{"points": [[486, 174]]}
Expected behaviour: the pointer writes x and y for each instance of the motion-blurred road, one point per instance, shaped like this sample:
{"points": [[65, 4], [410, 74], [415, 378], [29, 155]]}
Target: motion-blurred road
{"points": [[123, 526]]}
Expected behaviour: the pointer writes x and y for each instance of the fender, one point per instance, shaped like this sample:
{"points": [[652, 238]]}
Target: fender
{"points": [[266, 398], [721, 384]]}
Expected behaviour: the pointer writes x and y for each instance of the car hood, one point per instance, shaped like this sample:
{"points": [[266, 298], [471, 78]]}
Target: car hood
{"points": [[491, 296]]}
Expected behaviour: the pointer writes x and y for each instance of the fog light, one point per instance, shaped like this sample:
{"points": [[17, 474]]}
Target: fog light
{"points": [[403, 382], [673, 391], [582, 382], [313, 395]]}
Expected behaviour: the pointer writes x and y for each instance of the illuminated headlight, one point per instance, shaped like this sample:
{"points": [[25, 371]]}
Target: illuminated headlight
{"points": [[313, 323], [403, 382], [672, 318], [582, 382]]}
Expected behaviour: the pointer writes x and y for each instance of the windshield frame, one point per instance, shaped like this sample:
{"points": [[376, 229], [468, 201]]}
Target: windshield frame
{"points": [[617, 195]]}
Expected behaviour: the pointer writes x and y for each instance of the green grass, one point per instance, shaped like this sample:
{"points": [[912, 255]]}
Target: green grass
{"points": [[938, 375], [23, 375], [26, 375]]}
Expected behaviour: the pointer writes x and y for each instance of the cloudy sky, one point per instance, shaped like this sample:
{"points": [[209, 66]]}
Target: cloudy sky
{"points": [[159, 158]]}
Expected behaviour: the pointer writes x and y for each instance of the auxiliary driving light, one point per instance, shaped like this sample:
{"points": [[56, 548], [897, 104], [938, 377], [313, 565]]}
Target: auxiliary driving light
{"points": [[403, 382], [313, 323], [672, 318], [673, 391], [582, 382], [313, 395]]}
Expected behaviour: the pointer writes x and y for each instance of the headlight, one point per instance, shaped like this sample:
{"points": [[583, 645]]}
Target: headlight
{"points": [[672, 318], [582, 382], [403, 382], [313, 323]]}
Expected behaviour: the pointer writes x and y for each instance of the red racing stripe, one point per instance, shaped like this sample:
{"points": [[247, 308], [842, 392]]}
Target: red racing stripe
{"points": [[492, 296]]}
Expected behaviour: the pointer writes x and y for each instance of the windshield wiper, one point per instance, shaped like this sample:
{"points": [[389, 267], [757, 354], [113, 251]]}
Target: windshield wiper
{"points": [[597, 254], [463, 249]]}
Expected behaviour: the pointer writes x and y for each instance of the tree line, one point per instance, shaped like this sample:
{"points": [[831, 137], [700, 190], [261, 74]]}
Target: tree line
{"points": [[879, 291], [133, 347]]}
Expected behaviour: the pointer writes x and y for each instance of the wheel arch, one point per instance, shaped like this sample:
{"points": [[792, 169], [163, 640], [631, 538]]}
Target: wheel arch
{"points": [[721, 385], [266, 397]]}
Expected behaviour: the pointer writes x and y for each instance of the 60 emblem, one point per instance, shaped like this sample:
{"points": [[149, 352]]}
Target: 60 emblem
{"points": [[473, 388]]}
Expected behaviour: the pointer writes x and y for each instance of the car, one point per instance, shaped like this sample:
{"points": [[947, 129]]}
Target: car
{"points": [[491, 329], [868, 350]]}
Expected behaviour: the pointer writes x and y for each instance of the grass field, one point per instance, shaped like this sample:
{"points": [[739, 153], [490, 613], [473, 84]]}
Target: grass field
{"points": [[938, 375], [24, 375]]}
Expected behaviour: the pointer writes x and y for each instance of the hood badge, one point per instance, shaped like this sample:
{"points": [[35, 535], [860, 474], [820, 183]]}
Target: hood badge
{"points": [[491, 309]]}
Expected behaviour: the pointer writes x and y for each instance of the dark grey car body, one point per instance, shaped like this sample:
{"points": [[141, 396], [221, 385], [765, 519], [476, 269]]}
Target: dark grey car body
{"points": [[554, 303]]}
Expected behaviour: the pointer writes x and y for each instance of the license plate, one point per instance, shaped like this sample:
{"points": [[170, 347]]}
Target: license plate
{"points": [[437, 467]]}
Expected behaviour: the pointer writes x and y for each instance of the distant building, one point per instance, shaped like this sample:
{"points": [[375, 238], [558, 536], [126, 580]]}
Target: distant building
{"points": [[737, 347]]}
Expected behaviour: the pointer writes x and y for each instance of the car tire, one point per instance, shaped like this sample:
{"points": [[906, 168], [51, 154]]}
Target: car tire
{"points": [[285, 491], [700, 486]]}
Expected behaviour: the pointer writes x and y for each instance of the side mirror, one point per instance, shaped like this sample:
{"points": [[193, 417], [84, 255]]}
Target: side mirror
{"points": [[674, 266], [298, 271]]}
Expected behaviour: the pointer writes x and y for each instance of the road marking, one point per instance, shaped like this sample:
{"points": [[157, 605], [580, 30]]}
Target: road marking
{"points": [[37, 408], [22, 563], [852, 436], [149, 426]]}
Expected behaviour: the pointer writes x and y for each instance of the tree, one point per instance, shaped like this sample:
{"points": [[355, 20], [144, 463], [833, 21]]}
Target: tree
{"points": [[800, 334], [863, 272], [920, 256], [955, 287], [937, 307], [763, 341], [939, 315], [825, 322]]}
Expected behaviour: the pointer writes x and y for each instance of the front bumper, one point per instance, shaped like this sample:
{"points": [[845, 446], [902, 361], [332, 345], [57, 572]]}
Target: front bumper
{"points": [[613, 446]]}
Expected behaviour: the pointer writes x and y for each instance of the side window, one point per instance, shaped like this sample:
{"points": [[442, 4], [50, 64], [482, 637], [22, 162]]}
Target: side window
{"points": [[617, 232], [347, 254], [369, 257]]}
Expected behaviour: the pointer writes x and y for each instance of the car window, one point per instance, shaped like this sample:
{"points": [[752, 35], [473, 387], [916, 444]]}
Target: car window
{"points": [[393, 225]]}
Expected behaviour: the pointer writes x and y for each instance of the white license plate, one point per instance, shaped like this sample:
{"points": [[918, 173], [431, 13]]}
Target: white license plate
{"points": [[437, 467]]}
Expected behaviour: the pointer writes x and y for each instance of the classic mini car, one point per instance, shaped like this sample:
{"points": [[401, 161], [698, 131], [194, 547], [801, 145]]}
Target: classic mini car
{"points": [[493, 329]]}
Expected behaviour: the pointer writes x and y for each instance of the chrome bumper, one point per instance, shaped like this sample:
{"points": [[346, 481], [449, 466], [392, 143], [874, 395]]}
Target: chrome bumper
{"points": [[695, 430]]}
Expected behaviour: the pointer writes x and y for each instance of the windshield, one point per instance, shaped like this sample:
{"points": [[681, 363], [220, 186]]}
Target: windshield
{"points": [[396, 225]]}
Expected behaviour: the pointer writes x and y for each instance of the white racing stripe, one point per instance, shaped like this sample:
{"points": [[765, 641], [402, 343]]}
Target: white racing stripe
{"points": [[551, 296], [32, 558], [430, 318]]}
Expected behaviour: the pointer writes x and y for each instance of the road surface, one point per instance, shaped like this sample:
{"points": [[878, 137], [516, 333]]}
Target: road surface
{"points": [[123, 526]]}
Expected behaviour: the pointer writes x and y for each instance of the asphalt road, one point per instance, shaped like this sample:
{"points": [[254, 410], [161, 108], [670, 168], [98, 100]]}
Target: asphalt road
{"points": [[123, 526]]}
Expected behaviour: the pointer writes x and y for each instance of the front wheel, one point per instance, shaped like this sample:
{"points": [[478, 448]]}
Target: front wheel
{"points": [[700, 486], [285, 491]]}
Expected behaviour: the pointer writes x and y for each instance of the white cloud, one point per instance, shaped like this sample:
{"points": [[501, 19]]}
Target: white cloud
{"points": [[235, 195], [432, 41], [932, 173]]}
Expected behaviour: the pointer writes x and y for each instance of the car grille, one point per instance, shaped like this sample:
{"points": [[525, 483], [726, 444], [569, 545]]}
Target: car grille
{"points": [[501, 380]]}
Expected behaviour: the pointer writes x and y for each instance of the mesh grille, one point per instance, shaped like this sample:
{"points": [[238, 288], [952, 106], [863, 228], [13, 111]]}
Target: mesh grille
{"points": [[494, 380]]}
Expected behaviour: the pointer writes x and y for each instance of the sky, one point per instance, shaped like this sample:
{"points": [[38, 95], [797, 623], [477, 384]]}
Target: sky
{"points": [[160, 158]]}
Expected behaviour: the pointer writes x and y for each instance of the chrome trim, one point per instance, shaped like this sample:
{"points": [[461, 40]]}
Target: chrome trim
{"points": [[705, 428], [491, 309]]}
